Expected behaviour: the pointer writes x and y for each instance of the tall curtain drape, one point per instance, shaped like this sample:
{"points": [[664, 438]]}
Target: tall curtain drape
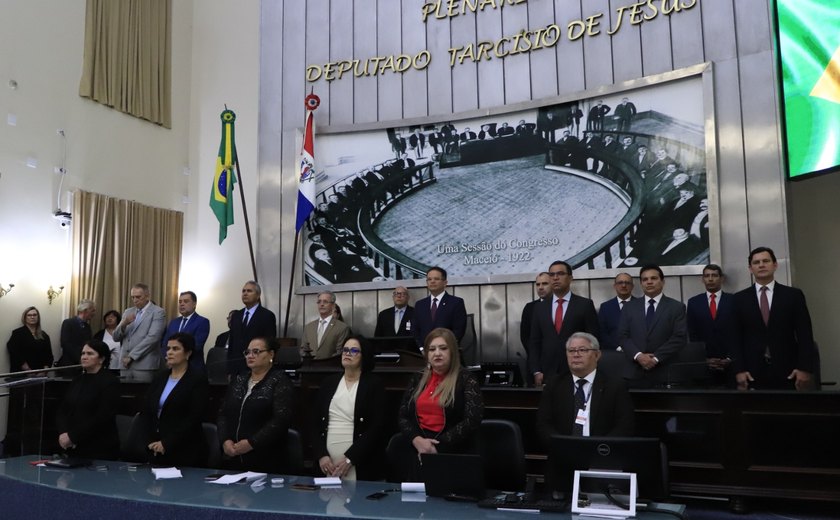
{"points": [[117, 243], [127, 57]]}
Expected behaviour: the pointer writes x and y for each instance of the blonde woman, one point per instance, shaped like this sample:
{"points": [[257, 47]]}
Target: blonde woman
{"points": [[29, 347], [441, 410]]}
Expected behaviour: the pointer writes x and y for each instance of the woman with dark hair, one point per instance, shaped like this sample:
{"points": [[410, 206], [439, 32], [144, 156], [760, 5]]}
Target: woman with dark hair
{"points": [[256, 413], [29, 346], [174, 407], [441, 410], [350, 416], [86, 418], [111, 319]]}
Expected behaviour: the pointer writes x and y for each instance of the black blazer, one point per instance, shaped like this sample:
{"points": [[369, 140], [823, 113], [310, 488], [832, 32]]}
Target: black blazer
{"points": [[610, 408], [74, 334], [24, 348], [525, 324], [87, 415], [451, 314], [547, 352], [715, 333], [368, 449], [666, 336], [788, 335], [609, 317], [179, 425], [262, 323], [385, 323]]}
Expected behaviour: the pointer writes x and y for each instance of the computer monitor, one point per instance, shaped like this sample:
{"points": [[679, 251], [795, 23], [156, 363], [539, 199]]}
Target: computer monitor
{"points": [[646, 457]]}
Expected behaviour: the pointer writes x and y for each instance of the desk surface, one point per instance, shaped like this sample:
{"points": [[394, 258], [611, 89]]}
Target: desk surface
{"points": [[28, 484]]}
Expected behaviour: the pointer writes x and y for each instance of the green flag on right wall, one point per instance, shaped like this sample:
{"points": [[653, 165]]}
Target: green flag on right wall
{"points": [[809, 48]]}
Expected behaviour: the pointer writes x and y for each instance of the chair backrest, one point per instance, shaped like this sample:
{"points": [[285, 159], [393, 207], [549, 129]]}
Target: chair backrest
{"points": [[615, 364], [217, 365], [294, 453], [214, 449], [503, 454], [134, 446], [688, 367], [123, 428]]}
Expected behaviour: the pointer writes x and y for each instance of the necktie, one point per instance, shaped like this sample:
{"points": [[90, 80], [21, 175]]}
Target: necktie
{"points": [[245, 316], [580, 402], [620, 304], [764, 304], [183, 324], [398, 319], [713, 306], [558, 316], [321, 327], [434, 308], [650, 312], [138, 315]]}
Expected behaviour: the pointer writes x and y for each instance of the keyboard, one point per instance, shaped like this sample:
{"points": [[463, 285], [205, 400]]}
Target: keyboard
{"points": [[531, 501]]}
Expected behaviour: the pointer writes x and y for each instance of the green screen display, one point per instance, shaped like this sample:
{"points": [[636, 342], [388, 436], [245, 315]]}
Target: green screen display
{"points": [[809, 54]]}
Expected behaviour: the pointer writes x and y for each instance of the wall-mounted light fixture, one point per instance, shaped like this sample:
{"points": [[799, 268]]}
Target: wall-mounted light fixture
{"points": [[52, 294], [4, 292]]}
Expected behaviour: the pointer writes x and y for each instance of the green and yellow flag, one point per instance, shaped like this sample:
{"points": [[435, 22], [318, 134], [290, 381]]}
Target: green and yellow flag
{"points": [[809, 46], [221, 196]]}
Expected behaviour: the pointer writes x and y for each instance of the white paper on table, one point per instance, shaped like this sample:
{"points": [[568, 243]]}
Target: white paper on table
{"points": [[165, 473], [327, 481], [413, 487], [248, 476]]}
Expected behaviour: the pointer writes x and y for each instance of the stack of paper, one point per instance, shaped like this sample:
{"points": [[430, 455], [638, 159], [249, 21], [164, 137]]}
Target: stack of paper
{"points": [[162, 473], [248, 476]]}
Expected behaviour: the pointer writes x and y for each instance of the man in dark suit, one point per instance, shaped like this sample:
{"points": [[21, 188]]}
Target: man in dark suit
{"points": [[773, 344], [75, 332], [468, 135], [543, 287], [190, 322], [253, 321], [652, 329], [709, 316], [609, 313], [223, 339], [396, 321], [554, 321], [624, 112], [439, 309], [585, 402], [595, 120]]}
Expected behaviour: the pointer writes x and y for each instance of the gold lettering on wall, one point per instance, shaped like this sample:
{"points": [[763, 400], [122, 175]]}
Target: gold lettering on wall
{"points": [[439, 9]]}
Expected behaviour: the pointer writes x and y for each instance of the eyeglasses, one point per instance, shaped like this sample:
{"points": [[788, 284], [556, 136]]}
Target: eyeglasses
{"points": [[574, 351], [254, 351], [353, 351]]}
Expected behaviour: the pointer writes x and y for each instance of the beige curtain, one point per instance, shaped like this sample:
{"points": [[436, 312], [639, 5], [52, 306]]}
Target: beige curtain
{"points": [[117, 243], [127, 57]]}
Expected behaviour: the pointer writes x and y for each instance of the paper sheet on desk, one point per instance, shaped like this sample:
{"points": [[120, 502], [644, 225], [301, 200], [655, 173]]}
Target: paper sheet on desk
{"points": [[248, 476], [327, 481], [164, 473]]}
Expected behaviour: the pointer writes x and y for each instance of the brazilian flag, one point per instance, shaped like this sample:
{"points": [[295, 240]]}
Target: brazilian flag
{"points": [[221, 195], [809, 48]]}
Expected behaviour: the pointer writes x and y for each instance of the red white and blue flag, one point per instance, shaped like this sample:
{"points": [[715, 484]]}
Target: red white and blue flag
{"points": [[306, 178]]}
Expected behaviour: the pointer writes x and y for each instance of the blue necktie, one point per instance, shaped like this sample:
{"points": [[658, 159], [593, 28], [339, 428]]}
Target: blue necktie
{"points": [[650, 312]]}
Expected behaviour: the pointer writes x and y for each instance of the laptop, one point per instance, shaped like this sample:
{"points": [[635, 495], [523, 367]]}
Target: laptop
{"points": [[451, 476]]}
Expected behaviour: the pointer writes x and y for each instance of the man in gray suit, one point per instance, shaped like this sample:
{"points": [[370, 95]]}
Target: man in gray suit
{"points": [[326, 335], [140, 332], [652, 329]]}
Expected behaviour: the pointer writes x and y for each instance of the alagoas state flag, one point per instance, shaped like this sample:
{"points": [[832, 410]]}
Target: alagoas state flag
{"points": [[809, 45], [221, 195], [306, 174]]}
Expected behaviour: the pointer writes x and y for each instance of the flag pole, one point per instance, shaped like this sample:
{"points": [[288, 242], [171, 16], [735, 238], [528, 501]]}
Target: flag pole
{"points": [[247, 224], [306, 190]]}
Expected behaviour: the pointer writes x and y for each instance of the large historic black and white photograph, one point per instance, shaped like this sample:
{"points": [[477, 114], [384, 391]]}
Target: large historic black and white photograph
{"points": [[605, 182]]}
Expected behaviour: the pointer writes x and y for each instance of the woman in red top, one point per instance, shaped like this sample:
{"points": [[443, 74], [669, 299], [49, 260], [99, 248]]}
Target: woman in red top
{"points": [[441, 410]]}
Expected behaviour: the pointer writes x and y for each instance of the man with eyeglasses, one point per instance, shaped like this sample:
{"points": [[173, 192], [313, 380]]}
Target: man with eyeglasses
{"points": [[324, 336], [396, 321], [554, 322], [439, 309], [584, 402], [609, 313], [652, 330], [253, 321]]}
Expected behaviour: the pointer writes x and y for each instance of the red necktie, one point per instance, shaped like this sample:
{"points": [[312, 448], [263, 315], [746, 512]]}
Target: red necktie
{"points": [[558, 316], [434, 309], [713, 306]]}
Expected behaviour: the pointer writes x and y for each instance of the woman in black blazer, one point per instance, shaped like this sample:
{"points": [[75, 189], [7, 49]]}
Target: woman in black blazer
{"points": [[29, 346], [351, 411], [174, 407]]}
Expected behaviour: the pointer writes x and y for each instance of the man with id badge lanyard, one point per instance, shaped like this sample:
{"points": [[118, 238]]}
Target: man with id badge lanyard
{"points": [[585, 402]]}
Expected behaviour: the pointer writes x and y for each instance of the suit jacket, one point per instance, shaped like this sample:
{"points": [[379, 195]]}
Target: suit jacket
{"points": [[666, 336], [451, 314], [788, 337], [334, 337], [525, 324], [24, 348], [367, 451], [262, 323], [547, 351], [87, 414], [199, 327], [74, 334], [611, 410], [609, 316], [179, 425], [714, 333], [141, 340], [385, 323]]}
